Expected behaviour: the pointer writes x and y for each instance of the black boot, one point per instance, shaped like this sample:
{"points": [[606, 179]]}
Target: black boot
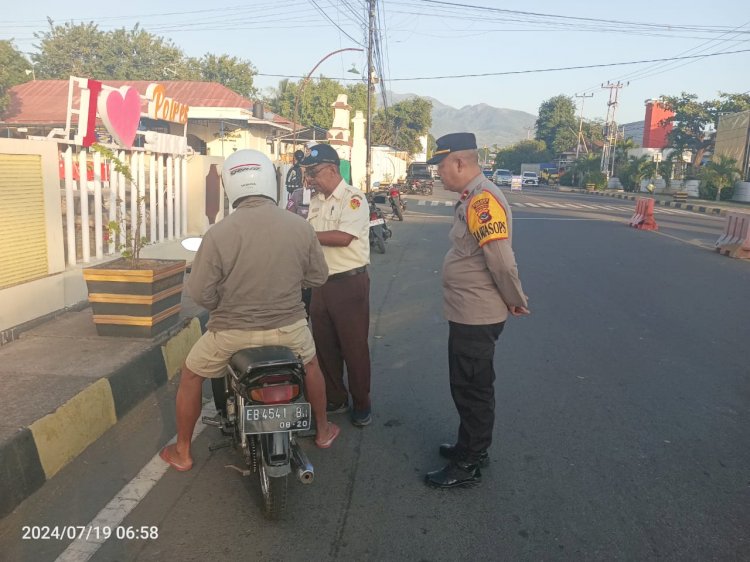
{"points": [[454, 474], [455, 453]]}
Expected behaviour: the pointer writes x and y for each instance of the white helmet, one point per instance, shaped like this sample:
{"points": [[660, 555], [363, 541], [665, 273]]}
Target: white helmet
{"points": [[249, 172]]}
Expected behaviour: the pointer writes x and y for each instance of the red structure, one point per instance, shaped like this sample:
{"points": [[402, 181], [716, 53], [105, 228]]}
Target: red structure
{"points": [[654, 132]]}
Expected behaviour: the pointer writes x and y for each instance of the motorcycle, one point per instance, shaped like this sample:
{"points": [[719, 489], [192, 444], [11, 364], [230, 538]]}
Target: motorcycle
{"points": [[419, 186], [398, 205], [261, 406], [379, 231]]}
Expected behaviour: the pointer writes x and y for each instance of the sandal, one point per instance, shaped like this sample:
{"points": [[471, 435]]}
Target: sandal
{"points": [[333, 432], [166, 457]]}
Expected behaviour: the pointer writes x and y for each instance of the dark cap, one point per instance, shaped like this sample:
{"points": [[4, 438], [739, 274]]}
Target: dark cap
{"points": [[452, 143], [321, 154]]}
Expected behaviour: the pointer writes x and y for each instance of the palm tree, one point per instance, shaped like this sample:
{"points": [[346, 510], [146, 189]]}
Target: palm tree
{"points": [[721, 173]]}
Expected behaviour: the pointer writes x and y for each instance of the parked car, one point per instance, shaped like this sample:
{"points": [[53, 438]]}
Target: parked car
{"points": [[529, 178], [487, 173], [502, 177]]}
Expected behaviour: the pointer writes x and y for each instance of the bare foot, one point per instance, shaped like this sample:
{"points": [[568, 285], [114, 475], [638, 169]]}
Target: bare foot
{"points": [[170, 455], [326, 440]]}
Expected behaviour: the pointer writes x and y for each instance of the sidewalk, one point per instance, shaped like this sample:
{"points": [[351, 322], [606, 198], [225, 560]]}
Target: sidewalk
{"points": [[64, 386], [718, 208]]}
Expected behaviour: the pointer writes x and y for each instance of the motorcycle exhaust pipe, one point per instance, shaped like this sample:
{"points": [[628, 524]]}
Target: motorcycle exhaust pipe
{"points": [[303, 466]]}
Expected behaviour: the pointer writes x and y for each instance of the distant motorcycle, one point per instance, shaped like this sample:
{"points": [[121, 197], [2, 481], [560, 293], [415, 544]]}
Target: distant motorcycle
{"points": [[398, 205], [419, 186], [379, 231]]}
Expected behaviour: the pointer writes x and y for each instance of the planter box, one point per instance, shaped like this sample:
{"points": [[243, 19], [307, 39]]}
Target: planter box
{"points": [[138, 303]]}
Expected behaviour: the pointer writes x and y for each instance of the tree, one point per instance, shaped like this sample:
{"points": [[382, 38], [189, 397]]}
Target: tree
{"points": [[621, 155], [733, 103], [401, 124], [557, 125], [524, 152], [356, 95], [695, 121], [134, 54], [720, 174], [13, 67], [586, 170], [236, 74], [691, 119], [313, 103]]}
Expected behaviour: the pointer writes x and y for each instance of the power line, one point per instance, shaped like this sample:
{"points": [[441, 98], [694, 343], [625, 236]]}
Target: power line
{"points": [[334, 23], [568, 19], [579, 67]]}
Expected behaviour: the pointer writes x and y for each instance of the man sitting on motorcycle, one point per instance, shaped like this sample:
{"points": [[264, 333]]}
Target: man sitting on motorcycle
{"points": [[248, 272]]}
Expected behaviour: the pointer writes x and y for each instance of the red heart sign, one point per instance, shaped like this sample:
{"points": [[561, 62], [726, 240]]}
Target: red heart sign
{"points": [[120, 111]]}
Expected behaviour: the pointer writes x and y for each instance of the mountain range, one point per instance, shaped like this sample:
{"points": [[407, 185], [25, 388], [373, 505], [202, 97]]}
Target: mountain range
{"points": [[491, 125]]}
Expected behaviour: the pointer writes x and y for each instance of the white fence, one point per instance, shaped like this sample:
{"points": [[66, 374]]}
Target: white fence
{"points": [[160, 190]]}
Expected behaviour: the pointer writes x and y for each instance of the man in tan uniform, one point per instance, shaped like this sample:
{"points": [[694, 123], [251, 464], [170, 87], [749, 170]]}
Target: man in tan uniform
{"points": [[340, 309], [480, 288], [248, 273]]}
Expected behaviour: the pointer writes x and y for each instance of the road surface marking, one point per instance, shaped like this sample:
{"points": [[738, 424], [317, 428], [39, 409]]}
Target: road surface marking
{"points": [[125, 501]]}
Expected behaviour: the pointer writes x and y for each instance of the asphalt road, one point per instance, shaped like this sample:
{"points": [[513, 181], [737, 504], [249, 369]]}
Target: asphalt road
{"points": [[622, 430]]}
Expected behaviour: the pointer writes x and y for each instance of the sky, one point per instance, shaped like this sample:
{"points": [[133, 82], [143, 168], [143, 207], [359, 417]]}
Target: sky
{"points": [[460, 53]]}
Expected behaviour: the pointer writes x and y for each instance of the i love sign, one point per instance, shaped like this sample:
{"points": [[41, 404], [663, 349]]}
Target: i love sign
{"points": [[120, 110]]}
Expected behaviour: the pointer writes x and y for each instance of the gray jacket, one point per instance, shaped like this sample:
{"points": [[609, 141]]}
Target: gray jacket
{"points": [[252, 265]]}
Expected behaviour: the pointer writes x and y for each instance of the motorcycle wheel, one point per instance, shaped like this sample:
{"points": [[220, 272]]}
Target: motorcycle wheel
{"points": [[274, 493], [397, 211], [379, 241]]}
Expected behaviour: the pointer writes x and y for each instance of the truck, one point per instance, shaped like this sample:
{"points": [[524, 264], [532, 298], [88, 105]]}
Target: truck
{"points": [[419, 178], [536, 168]]}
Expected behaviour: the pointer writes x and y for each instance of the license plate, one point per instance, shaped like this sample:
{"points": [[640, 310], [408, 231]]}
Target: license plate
{"points": [[279, 417], [377, 222]]}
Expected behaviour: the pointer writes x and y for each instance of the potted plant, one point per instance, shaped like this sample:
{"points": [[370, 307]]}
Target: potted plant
{"points": [[133, 296]]}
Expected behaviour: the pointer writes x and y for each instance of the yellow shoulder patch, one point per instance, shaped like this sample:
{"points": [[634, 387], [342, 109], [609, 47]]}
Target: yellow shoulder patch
{"points": [[486, 218]]}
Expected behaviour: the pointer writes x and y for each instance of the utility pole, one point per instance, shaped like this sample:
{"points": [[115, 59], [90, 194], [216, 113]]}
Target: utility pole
{"points": [[610, 129], [370, 86], [580, 125]]}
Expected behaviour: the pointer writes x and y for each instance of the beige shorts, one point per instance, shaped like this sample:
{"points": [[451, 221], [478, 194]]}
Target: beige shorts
{"points": [[210, 354]]}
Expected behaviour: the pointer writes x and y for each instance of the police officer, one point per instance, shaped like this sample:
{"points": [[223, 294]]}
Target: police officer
{"points": [[340, 309], [480, 288]]}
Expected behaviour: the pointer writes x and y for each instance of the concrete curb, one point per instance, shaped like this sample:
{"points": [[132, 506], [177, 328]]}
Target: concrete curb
{"points": [[36, 453], [717, 211]]}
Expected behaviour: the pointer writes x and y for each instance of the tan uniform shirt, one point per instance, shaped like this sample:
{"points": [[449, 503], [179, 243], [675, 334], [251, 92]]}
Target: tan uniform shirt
{"points": [[251, 266], [480, 276], [347, 210]]}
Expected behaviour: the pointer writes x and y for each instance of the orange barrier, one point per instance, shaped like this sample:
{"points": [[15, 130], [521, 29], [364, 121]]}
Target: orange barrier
{"points": [[643, 219], [735, 242]]}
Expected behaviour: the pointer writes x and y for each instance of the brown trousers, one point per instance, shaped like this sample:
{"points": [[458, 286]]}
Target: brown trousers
{"points": [[340, 317]]}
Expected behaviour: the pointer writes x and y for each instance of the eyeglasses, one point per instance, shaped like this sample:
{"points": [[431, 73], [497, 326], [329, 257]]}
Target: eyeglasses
{"points": [[314, 171]]}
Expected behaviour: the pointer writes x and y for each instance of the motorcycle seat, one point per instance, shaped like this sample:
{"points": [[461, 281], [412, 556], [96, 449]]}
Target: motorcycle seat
{"points": [[251, 358]]}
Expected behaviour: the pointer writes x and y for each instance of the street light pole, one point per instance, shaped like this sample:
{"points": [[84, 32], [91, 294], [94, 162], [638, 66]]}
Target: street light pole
{"points": [[370, 72], [302, 88]]}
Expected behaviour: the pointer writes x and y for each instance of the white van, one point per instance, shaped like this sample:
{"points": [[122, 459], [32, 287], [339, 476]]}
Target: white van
{"points": [[529, 178]]}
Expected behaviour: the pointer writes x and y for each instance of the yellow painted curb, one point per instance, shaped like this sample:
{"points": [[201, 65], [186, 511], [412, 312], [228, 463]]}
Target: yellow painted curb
{"points": [[66, 432], [177, 348]]}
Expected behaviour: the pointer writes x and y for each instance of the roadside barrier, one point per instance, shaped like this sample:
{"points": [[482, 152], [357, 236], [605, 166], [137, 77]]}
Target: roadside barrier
{"points": [[735, 242], [643, 219]]}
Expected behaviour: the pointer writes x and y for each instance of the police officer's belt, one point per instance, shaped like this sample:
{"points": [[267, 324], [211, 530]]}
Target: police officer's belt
{"points": [[349, 273]]}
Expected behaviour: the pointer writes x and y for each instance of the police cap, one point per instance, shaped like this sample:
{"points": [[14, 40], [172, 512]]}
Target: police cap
{"points": [[452, 143], [321, 154]]}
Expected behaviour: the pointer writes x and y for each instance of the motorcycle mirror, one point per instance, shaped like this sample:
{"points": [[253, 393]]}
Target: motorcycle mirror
{"points": [[192, 244]]}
